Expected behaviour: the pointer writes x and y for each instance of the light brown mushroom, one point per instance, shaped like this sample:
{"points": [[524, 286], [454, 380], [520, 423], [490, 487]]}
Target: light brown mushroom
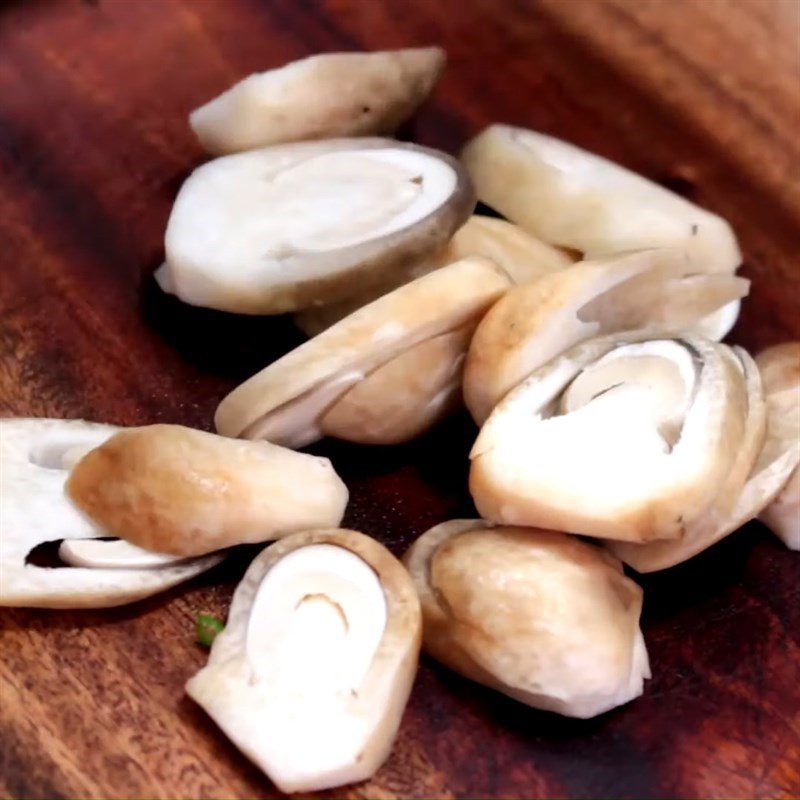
{"points": [[186, 492], [616, 439], [313, 670], [293, 226], [35, 457], [543, 617], [652, 290], [294, 401], [320, 97]]}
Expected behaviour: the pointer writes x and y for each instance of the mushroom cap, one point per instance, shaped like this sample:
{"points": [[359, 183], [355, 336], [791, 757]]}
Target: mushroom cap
{"points": [[34, 459], [780, 372], [572, 198], [320, 97], [616, 439], [656, 290], [187, 492], [310, 709], [541, 616], [292, 226], [283, 402]]}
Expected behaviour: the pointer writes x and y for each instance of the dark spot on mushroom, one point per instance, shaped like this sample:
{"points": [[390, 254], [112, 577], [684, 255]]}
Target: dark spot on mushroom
{"points": [[695, 228], [365, 109], [417, 179]]}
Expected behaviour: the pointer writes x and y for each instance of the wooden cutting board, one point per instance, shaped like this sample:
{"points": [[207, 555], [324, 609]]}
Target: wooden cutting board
{"points": [[701, 95]]}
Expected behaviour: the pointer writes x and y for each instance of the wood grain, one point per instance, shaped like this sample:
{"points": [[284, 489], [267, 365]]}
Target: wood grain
{"points": [[699, 94]]}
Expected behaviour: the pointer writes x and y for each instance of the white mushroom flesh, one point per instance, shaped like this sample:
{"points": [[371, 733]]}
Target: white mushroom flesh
{"points": [[311, 674], [540, 616], [631, 447], [34, 459]]}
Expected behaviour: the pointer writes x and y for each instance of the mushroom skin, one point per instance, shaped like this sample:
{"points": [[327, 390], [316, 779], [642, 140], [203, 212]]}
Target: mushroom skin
{"points": [[651, 290], [291, 400], [522, 256], [294, 226], [186, 492], [320, 734], [541, 616], [780, 372], [320, 97], [35, 456], [617, 438]]}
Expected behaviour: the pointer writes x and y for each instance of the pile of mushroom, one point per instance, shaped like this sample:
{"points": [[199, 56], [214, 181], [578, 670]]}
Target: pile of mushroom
{"points": [[583, 333]]}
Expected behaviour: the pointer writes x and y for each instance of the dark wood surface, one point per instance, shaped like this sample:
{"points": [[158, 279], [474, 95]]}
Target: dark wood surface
{"points": [[699, 94]]}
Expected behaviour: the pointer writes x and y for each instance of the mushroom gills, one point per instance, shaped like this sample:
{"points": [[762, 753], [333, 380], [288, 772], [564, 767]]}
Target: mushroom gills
{"points": [[288, 227], [310, 676], [541, 616]]}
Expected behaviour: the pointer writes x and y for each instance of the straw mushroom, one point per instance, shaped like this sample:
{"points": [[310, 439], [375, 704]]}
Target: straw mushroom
{"points": [[35, 455], [656, 290], [780, 371], [616, 438], [543, 617], [320, 97], [299, 225], [381, 375], [187, 492], [313, 670], [571, 198], [522, 256]]}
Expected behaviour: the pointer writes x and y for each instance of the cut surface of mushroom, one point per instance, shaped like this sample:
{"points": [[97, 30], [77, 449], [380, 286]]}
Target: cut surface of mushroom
{"points": [[543, 617], [35, 455], [291, 400], [522, 256], [572, 198], [619, 440], [186, 492], [780, 371], [760, 467], [313, 670], [292, 226], [656, 290], [320, 97]]}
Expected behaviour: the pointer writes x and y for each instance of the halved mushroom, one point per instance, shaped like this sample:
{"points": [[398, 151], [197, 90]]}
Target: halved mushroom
{"points": [[293, 226], [35, 455], [543, 617], [761, 467], [313, 670], [373, 353], [655, 290], [521, 255], [572, 198], [615, 439], [320, 97], [780, 372], [187, 492]]}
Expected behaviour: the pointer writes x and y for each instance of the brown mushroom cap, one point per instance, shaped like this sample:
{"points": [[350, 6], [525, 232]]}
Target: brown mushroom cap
{"points": [[288, 227], [324, 734], [284, 402], [177, 490], [543, 617], [320, 97]]}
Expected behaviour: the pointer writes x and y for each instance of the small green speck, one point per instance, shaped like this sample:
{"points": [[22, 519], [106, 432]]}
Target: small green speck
{"points": [[207, 628]]}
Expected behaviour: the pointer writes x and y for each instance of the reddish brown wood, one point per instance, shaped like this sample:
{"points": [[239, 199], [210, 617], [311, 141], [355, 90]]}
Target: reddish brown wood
{"points": [[702, 95]]}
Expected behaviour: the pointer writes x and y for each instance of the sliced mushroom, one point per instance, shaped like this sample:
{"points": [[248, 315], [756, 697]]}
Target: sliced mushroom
{"points": [[185, 492], [293, 401], [521, 255], [543, 617], [569, 197], [293, 226], [655, 290], [320, 97], [313, 670], [34, 458], [614, 439], [780, 371], [761, 466]]}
